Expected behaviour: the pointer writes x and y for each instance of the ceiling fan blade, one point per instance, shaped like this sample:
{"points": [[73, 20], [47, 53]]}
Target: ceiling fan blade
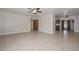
{"points": [[39, 11], [37, 8], [30, 8]]}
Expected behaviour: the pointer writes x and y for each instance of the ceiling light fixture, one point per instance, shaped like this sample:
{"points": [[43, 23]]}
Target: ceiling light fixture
{"points": [[34, 11]]}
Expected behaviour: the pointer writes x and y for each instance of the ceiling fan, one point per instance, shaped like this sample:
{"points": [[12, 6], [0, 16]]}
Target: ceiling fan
{"points": [[35, 10]]}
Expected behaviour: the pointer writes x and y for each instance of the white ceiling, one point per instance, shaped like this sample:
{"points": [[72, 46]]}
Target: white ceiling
{"points": [[54, 11]]}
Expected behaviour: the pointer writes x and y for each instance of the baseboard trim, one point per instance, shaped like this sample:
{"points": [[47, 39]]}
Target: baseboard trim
{"points": [[14, 33]]}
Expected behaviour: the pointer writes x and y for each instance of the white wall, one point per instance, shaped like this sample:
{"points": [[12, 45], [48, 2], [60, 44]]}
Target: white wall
{"points": [[46, 23], [14, 23], [76, 24]]}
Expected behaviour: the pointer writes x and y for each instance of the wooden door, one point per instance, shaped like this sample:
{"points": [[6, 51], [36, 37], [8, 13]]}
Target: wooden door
{"points": [[35, 25]]}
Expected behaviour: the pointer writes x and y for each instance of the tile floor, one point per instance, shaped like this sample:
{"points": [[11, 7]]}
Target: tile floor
{"points": [[38, 41]]}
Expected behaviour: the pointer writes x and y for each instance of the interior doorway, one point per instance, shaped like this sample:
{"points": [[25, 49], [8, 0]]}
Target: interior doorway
{"points": [[66, 25], [35, 25]]}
